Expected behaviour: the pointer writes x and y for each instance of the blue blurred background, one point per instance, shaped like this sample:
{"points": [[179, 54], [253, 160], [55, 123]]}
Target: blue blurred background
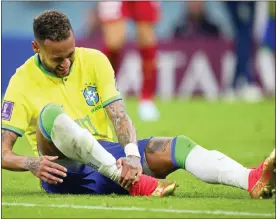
{"points": [[17, 33], [18, 16]]}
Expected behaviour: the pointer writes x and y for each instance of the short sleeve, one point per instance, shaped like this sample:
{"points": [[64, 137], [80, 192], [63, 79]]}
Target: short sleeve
{"points": [[15, 112], [106, 82]]}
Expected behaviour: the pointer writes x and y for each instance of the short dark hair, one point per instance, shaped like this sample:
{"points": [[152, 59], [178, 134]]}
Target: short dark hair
{"points": [[51, 25]]}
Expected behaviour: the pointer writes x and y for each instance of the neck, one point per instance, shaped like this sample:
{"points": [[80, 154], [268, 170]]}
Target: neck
{"points": [[43, 65]]}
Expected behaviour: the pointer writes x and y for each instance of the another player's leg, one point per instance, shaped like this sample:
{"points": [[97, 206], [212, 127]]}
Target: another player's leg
{"points": [[146, 15], [266, 55], [114, 37], [59, 135], [243, 49], [112, 16], [147, 49], [164, 155]]}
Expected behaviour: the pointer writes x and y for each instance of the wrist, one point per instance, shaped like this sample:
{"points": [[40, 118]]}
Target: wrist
{"points": [[131, 149], [29, 163]]}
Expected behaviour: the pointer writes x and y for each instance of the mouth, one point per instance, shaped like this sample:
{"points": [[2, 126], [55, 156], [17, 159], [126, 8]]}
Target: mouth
{"points": [[63, 71]]}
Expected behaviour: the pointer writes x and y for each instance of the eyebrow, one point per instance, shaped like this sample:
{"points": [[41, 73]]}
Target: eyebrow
{"points": [[59, 57]]}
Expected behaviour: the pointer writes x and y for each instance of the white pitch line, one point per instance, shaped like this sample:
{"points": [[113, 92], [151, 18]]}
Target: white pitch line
{"points": [[160, 210]]}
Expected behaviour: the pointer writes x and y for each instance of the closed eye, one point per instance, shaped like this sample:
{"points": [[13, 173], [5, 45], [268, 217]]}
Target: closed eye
{"points": [[71, 55], [60, 59]]}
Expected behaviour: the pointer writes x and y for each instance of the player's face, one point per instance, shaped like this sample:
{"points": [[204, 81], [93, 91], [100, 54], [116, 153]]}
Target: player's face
{"points": [[57, 57]]}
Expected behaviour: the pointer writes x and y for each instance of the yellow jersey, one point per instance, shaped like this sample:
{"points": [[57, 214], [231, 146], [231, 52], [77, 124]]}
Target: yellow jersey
{"points": [[89, 87]]}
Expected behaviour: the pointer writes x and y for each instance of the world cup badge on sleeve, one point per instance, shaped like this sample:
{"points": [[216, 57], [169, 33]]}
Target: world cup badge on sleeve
{"points": [[7, 110]]}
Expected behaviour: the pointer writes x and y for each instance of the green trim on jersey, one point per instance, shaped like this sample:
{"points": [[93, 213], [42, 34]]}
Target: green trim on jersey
{"points": [[110, 100], [38, 63], [13, 129]]}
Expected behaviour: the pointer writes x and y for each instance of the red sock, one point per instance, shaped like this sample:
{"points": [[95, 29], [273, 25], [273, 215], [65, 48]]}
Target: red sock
{"points": [[114, 58], [149, 70], [144, 187]]}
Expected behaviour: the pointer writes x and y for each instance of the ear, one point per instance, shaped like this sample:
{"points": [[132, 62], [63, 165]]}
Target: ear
{"points": [[35, 47]]}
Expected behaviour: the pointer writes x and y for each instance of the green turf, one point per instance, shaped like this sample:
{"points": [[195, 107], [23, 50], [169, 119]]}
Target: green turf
{"points": [[242, 131]]}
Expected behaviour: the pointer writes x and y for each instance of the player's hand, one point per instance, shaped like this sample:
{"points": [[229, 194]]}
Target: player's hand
{"points": [[45, 169], [131, 172]]}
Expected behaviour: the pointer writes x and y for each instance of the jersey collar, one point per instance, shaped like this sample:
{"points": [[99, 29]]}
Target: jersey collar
{"points": [[39, 65]]}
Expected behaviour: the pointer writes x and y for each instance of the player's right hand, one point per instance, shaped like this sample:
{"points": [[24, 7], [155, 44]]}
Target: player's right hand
{"points": [[45, 169], [131, 170]]}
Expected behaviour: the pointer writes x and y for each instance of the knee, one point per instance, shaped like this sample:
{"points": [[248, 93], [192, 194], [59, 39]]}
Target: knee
{"points": [[47, 117], [114, 35], [114, 44], [51, 109], [145, 34]]}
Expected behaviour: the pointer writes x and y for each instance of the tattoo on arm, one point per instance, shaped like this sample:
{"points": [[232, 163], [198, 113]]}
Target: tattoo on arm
{"points": [[12, 162], [158, 145], [32, 164], [8, 139], [123, 126]]}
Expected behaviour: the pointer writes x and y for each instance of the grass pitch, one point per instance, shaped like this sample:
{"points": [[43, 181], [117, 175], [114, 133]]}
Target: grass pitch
{"points": [[245, 132]]}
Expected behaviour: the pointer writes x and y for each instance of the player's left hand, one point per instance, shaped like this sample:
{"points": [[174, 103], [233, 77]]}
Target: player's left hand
{"points": [[131, 172]]}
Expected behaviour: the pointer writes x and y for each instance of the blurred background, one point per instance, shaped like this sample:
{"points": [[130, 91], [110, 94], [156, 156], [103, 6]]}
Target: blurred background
{"points": [[221, 52], [218, 50]]}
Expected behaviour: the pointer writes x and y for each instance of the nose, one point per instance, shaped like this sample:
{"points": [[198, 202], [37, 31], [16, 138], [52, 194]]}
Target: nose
{"points": [[65, 64]]}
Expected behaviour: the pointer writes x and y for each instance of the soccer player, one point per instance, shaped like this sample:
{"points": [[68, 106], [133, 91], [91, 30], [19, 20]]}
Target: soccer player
{"points": [[73, 126], [267, 53], [82, 81], [145, 14], [242, 14]]}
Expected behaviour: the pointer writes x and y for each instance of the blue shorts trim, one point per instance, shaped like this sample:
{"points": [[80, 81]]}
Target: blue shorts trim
{"points": [[85, 180], [41, 127], [173, 153]]}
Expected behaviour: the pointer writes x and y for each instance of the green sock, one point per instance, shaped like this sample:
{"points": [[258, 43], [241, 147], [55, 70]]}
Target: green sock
{"points": [[47, 118], [181, 147]]}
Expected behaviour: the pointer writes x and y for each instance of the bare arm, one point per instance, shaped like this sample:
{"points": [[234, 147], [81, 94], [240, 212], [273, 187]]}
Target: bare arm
{"points": [[123, 126], [126, 135], [10, 160], [41, 167]]}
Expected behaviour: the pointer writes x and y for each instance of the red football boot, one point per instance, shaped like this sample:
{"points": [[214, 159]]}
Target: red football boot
{"points": [[261, 180], [149, 186]]}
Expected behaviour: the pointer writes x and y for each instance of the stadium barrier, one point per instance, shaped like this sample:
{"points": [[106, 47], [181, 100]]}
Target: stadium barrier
{"points": [[198, 66]]}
